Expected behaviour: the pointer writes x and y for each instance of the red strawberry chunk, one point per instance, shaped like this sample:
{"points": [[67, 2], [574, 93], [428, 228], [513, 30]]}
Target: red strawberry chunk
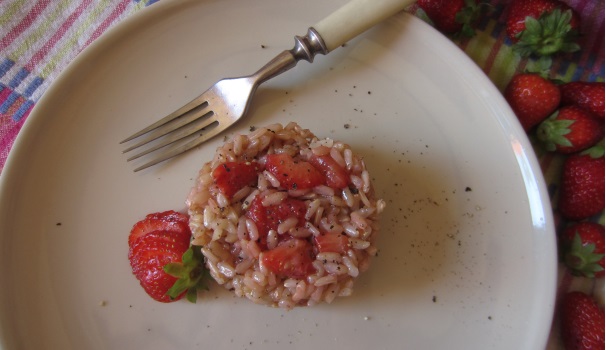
{"points": [[332, 243], [268, 218], [232, 176], [291, 258], [148, 256], [336, 175], [293, 174], [165, 221]]}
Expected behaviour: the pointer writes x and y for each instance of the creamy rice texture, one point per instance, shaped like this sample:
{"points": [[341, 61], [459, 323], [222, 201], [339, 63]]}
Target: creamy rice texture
{"points": [[280, 240]]}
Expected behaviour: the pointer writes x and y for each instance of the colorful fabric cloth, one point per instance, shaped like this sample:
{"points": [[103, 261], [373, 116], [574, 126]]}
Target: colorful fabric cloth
{"points": [[39, 38]]}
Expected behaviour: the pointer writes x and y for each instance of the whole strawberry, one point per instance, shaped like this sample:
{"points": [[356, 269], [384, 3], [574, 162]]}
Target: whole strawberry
{"points": [[452, 16], [582, 184], [583, 249], [162, 259], [570, 129], [582, 322], [542, 27], [532, 98], [587, 95]]}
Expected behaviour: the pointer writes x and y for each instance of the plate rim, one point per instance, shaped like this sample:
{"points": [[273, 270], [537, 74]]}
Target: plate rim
{"points": [[15, 157]]}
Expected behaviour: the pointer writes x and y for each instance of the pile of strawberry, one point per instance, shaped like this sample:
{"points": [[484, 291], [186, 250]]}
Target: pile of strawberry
{"points": [[565, 119]]}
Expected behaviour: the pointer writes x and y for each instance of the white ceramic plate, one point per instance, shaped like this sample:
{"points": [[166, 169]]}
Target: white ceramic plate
{"points": [[467, 253]]}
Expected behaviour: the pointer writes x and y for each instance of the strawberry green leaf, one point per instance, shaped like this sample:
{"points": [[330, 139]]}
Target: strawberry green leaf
{"points": [[175, 269], [549, 34], [596, 151], [468, 15], [581, 259], [552, 133], [540, 66], [191, 274]]}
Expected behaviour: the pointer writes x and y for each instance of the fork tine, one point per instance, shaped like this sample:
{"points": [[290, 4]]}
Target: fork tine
{"points": [[169, 127], [184, 109], [174, 151], [179, 134]]}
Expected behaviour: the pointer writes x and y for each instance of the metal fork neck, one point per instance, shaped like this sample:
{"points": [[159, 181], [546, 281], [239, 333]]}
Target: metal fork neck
{"points": [[308, 46], [305, 49]]}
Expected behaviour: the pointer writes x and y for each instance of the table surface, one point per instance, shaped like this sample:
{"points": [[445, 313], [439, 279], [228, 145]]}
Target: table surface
{"points": [[39, 38]]}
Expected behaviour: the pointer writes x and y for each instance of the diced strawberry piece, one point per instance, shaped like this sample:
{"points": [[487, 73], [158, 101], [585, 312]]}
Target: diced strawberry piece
{"points": [[291, 258], [332, 243], [336, 176], [165, 221], [148, 256], [268, 218], [232, 176], [293, 174]]}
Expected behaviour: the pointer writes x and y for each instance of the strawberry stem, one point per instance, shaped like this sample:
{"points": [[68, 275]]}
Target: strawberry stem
{"points": [[582, 259], [191, 274], [547, 35]]}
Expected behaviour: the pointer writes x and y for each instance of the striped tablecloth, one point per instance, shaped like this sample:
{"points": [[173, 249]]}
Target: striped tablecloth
{"points": [[39, 38]]}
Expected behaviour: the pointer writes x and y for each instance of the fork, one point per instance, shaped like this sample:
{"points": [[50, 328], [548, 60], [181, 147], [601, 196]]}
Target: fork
{"points": [[223, 104]]}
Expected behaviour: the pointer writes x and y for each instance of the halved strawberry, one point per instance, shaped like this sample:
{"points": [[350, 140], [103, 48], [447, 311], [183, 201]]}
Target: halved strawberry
{"points": [[336, 175], [268, 218], [162, 259], [148, 256], [162, 221], [292, 258], [332, 243], [293, 174], [232, 176]]}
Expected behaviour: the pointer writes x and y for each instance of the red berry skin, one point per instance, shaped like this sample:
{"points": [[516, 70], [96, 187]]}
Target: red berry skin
{"points": [[587, 95], [443, 13], [571, 129], [582, 322], [167, 221], [583, 260], [532, 98], [582, 187], [520, 9]]}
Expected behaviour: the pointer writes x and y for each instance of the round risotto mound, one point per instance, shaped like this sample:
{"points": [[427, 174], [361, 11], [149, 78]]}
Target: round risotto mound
{"points": [[284, 218]]}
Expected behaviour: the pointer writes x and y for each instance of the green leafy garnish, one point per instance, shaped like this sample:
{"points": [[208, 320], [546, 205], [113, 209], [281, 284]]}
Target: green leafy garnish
{"points": [[191, 274]]}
